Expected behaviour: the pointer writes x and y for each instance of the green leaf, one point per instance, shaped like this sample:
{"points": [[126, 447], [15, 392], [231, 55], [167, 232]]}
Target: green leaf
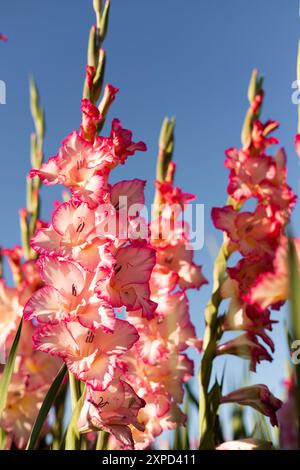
{"points": [[191, 396], [294, 291], [3, 437], [295, 314], [72, 441], [102, 440], [8, 369], [45, 408]]}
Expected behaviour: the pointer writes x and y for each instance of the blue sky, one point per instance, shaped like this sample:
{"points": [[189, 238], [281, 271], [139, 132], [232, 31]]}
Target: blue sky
{"points": [[190, 59]]}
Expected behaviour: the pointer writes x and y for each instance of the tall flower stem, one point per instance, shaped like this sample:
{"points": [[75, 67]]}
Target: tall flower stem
{"points": [[209, 399], [207, 409]]}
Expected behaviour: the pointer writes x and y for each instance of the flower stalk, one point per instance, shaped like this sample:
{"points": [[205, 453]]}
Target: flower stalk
{"points": [[208, 401]]}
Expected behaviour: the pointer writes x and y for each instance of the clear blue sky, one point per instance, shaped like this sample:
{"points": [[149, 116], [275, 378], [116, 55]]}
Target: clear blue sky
{"points": [[190, 59]]}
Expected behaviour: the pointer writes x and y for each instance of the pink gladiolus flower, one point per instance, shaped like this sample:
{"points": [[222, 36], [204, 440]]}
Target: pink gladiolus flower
{"points": [[10, 312], [258, 397], [259, 135], [179, 259], [75, 168], [249, 232], [21, 411], [173, 195], [124, 279], [67, 296], [247, 347], [90, 355], [122, 141], [271, 288], [241, 316], [114, 410], [90, 119], [72, 235], [170, 331]]}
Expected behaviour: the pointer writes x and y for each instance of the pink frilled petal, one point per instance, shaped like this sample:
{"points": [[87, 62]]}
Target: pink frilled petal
{"points": [[272, 287], [190, 276], [91, 192], [134, 264], [90, 119], [162, 280], [97, 316], [132, 190], [47, 241], [179, 259], [224, 219], [95, 370], [77, 346], [297, 144], [122, 139], [57, 340], [151, 350], [46, 306], [121, 340], [90, 355], [112, 410], [127, 282], [49, 172], [123, 435], [10, 312], [74, 219], [269, 289], [65, 276]]}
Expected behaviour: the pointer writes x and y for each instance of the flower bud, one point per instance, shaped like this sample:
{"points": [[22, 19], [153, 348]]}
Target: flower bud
{"points": [[258, 397]]}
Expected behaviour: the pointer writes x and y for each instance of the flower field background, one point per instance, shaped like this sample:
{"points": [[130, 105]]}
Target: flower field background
{"points": [[195, 64]]}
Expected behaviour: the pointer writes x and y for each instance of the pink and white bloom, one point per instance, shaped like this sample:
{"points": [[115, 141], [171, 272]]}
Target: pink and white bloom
{"points": [[80, 167], [10, 313], [125, 280], [249, 232], [171, 331], [178, 259], [72, 235], [67, 296], [90, 355], [114, 410]]}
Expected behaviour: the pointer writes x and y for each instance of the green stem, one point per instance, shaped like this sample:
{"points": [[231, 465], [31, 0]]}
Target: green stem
{"points": [[74, 389], [211, 336], [102, 440]]}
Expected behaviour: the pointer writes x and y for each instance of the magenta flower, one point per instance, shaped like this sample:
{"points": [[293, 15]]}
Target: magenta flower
{"points": [[258, 397]]}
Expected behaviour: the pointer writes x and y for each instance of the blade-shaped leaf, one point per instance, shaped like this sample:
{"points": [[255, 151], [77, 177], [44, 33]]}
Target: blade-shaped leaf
{"points": [[9, 368], [46, 405], [295, 314]]}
